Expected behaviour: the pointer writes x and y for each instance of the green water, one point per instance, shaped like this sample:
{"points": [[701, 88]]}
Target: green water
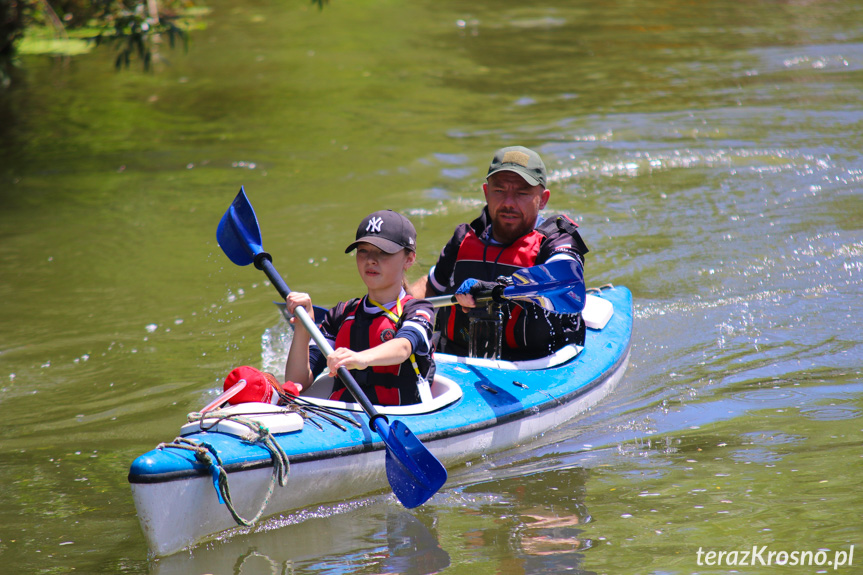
{"points": [[710, 151]]}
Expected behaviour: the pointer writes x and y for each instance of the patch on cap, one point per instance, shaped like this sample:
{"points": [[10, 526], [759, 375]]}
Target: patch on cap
{"points": [[523, 161], [515, 157]]}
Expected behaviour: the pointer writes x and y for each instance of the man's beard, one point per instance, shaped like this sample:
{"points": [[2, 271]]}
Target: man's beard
{"points": [[508, 234]]}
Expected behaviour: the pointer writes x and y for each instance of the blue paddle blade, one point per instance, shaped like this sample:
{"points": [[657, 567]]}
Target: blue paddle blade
{"points": [[413, 472], [239, 234], [556, 286]]}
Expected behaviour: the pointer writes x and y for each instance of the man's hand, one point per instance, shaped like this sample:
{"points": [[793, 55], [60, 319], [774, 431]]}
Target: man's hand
{"points": [[470, 289]]}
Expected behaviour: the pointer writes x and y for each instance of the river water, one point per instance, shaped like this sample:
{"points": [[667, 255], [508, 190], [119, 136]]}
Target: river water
{"points": [[710, 151]]}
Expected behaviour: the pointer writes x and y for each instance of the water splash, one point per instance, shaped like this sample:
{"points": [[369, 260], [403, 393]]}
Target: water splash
{"points": [[275, 345]]}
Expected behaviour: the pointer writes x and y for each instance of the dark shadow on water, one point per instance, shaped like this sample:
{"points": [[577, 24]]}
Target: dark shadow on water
{"points": [[413, 548]]}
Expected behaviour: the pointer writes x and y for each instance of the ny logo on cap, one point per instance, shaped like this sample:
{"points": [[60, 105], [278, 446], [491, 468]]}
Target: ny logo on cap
{"points": [[374, 225]]}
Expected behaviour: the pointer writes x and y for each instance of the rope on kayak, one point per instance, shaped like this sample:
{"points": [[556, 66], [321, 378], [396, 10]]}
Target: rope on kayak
{"points": [[208, 456], [308, 409]]}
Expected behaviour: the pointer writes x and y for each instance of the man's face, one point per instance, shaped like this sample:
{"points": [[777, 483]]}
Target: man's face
{"points": [[513, 205]]}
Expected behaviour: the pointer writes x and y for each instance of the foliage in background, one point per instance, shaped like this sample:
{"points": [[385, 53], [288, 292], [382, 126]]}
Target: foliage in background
{"points": [[11, 27], [69, 27], [133, 29]]}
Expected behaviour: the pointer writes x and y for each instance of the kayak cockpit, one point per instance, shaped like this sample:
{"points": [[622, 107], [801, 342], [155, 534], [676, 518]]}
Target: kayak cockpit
{"points": [[559, 357], [444, 392]]}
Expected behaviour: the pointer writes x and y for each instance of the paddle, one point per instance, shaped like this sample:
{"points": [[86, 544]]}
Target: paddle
{"points": [[413, 472], [557, 286], [318, 315]]}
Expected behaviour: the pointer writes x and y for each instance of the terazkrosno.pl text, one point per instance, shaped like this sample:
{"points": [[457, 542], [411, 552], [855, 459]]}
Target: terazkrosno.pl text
{"points": [[763, 556]]}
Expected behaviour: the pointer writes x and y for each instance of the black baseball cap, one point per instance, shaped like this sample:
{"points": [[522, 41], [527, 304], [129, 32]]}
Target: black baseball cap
{"points": [[523, 161], [387, 230]]}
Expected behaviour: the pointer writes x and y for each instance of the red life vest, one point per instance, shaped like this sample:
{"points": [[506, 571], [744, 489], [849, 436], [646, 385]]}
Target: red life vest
{"points": [[384, 384], [477, 258], [484, 261]]}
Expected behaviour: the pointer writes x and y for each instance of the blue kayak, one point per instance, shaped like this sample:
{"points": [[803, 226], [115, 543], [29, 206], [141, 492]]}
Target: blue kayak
{"points": [[234, 465]]}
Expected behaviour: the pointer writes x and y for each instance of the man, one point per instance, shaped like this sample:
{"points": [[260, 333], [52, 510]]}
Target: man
{"points": [[508, 235]]}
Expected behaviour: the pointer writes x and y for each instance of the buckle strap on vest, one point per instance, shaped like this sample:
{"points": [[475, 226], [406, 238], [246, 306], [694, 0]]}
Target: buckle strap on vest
{"points": [[396, 318]]}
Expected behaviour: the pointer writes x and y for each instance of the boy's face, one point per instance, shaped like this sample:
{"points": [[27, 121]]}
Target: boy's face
{"points": [[380, 270]]}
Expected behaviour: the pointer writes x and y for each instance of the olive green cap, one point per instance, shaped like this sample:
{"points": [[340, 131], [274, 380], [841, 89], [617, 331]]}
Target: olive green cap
{"points": [[523, 161]]}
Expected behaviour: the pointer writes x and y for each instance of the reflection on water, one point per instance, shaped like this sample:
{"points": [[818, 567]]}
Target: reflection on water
{"points": [[549, 534], [412, 548], [537, 519], [371, 537], [540, 517]]}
